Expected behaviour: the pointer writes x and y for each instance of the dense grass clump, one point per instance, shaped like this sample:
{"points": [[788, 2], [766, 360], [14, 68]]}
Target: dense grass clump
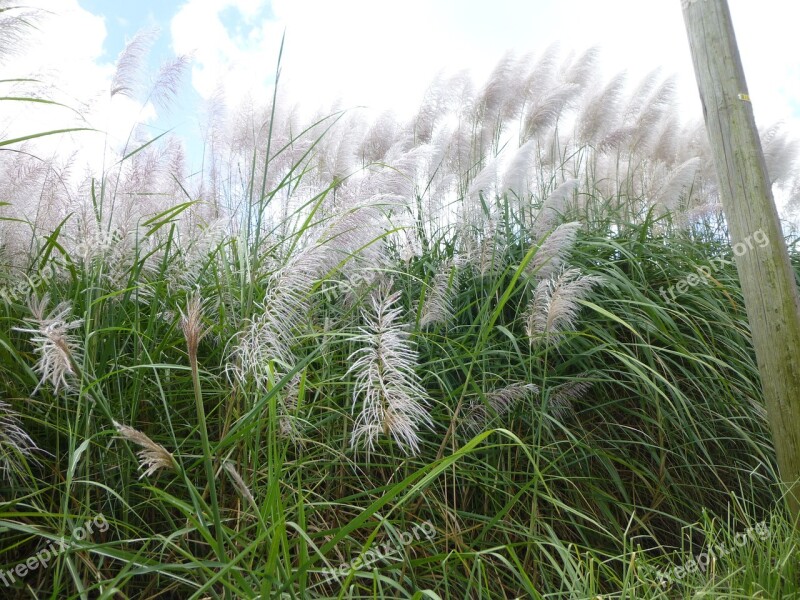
{"points": [[359, 359]]}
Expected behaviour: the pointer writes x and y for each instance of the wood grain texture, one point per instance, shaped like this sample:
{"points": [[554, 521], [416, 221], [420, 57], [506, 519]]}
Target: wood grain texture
{"points": [[768, 281]]}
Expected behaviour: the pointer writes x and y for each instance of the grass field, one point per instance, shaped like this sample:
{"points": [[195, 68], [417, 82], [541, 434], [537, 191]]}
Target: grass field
{"points": [[496, 351]]}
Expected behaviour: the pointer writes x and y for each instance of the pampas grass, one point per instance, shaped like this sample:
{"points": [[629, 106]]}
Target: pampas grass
{"points": [[152, 456], [239, 482], [552, 252], [369, 285], [554, 207], [128, 75], [553, 311], [561, 399], [386, 387], [16, 446], [438, 305], [57, 349], [15, 23], [498, 402]]}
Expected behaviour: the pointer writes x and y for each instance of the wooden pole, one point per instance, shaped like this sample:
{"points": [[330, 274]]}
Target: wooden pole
{"points": [[762, 260]]}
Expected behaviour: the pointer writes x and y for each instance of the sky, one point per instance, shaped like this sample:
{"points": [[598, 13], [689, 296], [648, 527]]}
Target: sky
{"points": [[381, 55]]}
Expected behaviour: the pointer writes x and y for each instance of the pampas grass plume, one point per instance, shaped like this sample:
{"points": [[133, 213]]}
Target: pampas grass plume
{"points": [[57, 349], [555, 305], [438, 304], [554, 207], [501, 401], [152, 456], [238, 482], [553, 250], [15, 443], [392, 397]]}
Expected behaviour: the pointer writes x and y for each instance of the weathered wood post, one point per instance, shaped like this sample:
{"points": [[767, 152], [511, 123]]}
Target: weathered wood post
{"points": [[768, 282]]}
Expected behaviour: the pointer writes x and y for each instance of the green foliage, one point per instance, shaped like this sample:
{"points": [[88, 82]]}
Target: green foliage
{"points": [[586, 464]]}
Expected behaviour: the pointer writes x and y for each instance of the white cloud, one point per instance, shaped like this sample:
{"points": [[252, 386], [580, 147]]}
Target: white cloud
{"points": [[384, 55], [361, 52], [239, 64], [368, 53]]}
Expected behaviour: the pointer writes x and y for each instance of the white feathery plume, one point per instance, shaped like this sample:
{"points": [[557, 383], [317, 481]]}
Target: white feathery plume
{"points": [[545, 111], [676, 183], [472, 210], [393, 401], [554, 207], [128, 74], [793, 203], [438, 304], [500, 401], [551, 147], [667, 147], [657, 107], [350, 235], [439, 151], [270, 336], [542, 74], [604, 170], [636, 104], [15, 443], [600, 111], [152, 456], [780, 154], [430, 111], [460, 153], [57, 349], [444, 95], [410, 245], [504, 399], [499, 100], [515, 100], [517, 175], [214, 114], [198, 243], [379, 139], [554, 307], [708, 210], [395, 178], [14, 29], [639, 97], [461, 93], [354, 235], [490, 256], [484, 181], [168, 81], [495, 91], [289, 424], [553, 250], [583, 69], [561, 398], [238, 482], [338, 152], [482, 249]]}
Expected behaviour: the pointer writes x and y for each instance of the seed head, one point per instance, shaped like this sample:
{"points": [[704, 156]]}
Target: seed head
{"points": [[153, 456], [57, 349]]}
